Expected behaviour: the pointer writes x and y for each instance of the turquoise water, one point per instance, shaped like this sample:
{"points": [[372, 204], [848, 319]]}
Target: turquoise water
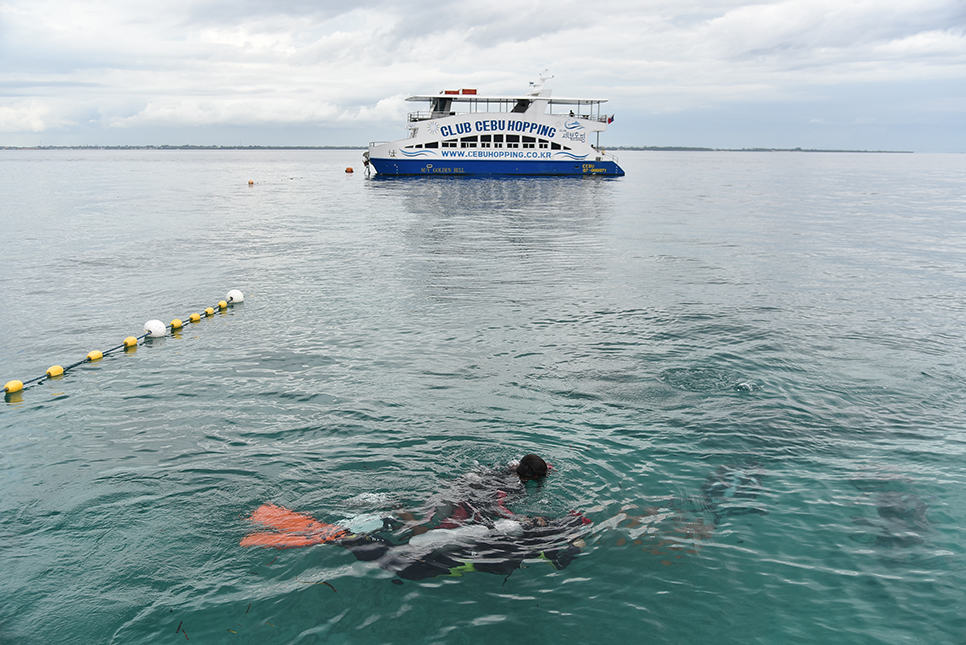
{"points": [[798, 318]]}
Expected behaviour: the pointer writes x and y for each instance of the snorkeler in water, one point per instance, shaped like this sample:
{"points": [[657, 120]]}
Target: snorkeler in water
{"points": [[479, 496], [468, 528]]}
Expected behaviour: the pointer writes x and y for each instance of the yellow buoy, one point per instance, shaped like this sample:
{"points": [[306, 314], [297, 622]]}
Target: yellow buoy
{"points": [[13, 386], [194, 317], [209, 311], [130, 341], [55, 370], [176, 324], [222, 304], [95, 355]]}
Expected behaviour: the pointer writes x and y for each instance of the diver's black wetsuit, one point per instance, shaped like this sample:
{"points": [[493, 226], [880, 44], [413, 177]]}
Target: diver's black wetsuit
{"points": [[497, 541], [493, 553]]}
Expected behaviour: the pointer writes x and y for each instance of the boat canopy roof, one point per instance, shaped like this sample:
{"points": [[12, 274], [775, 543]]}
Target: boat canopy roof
{"points": [[480, 98]]}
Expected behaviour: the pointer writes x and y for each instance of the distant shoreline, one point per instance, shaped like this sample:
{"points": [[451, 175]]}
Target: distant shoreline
{"points": [[645, 148], [688, 149], [184, 147]]}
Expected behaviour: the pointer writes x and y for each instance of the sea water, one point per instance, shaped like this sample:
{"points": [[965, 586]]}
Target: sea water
{"points": [[747, 368]]}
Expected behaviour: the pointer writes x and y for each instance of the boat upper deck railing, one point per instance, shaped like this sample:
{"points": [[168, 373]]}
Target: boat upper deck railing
{"points": [[464, 102], [427, 115], [475, 98]]}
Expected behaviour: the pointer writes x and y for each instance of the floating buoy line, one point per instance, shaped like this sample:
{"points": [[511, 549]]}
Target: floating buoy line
{"points": [[152, 329]]}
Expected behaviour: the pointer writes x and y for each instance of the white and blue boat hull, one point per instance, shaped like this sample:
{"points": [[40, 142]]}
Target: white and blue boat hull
{"points": [[456, 167]]}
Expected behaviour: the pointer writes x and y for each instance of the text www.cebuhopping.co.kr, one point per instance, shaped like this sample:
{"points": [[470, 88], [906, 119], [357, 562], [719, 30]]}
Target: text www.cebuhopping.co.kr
{"points": [[496, 154]]}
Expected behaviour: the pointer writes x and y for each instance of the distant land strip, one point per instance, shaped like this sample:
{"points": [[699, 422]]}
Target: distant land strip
{"points": [[649, 148], [184, 147], [688, 149]]}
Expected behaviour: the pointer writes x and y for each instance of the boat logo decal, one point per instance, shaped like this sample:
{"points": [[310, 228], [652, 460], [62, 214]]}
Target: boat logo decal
{"points": [[573, 125], [417, 153], [574, 136], [433, 127]]}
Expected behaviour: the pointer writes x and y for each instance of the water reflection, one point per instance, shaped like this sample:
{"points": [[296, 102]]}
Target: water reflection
{"points": [[474, 237]]}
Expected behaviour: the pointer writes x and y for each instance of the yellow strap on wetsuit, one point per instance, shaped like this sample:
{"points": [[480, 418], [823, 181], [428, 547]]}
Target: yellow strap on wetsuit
{"points": [[466, 567]]}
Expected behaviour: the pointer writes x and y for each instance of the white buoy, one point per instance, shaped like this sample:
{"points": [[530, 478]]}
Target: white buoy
{"points": [[235, 296], [155, 328]]}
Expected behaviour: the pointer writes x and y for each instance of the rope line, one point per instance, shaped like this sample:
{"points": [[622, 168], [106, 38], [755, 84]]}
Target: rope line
{"points": [[152, 328]]}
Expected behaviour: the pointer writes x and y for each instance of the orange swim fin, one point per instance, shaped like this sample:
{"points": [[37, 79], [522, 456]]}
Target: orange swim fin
{"points": [[294, 529]]}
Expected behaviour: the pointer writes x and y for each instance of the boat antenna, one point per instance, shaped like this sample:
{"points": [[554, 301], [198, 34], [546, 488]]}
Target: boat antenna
{"points": [[536, 86]]}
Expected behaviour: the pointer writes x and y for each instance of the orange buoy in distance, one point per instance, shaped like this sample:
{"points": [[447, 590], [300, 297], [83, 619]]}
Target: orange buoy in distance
{"points": [[251, 182], [349, 169]]}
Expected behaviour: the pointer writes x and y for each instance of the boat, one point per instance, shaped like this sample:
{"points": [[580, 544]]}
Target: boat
{"points": [[468, 133]]}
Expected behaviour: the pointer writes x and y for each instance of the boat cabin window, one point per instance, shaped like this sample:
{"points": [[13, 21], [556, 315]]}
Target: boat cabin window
{"points": [[485, 140], [468, 142], [441, 106], [450, 143], [542, 143], [529, 142], [513, 141], [521, 106], [432, 144], [553, 146]]}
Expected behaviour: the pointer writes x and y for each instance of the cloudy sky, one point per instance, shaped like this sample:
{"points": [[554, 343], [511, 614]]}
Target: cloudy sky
{"points": [[856, 74]]}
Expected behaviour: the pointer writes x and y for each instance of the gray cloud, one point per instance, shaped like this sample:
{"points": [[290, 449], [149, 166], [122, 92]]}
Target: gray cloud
{"points": [[103, 67]]}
